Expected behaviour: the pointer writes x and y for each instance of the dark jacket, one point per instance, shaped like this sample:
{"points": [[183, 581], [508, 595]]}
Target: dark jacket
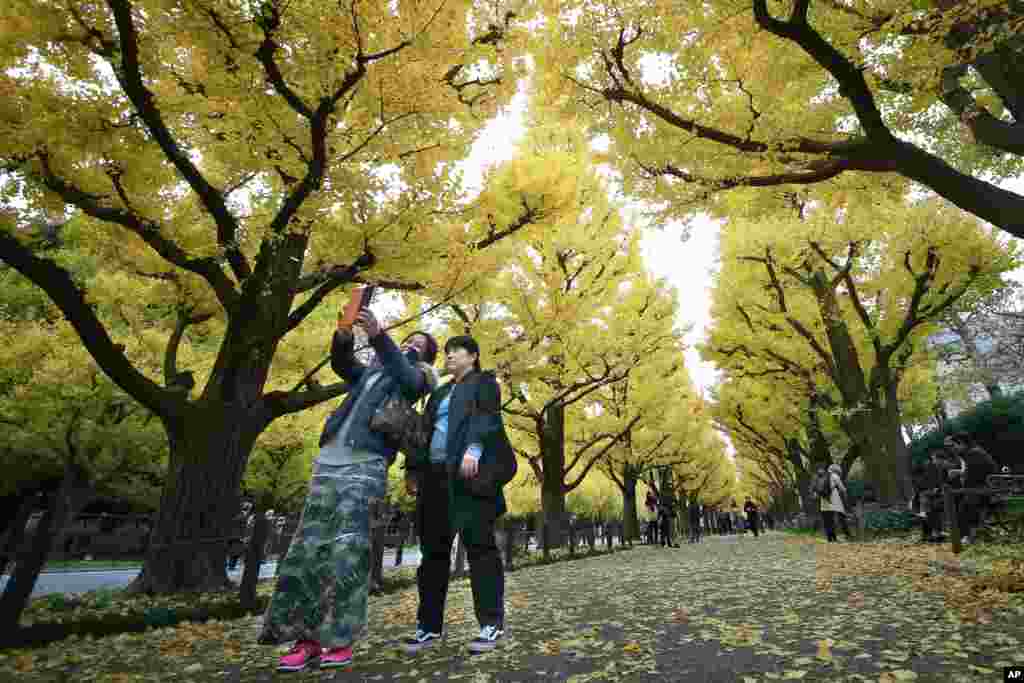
{"points": [[474, 416], [400, 375], [750, 508], [979, 466]]}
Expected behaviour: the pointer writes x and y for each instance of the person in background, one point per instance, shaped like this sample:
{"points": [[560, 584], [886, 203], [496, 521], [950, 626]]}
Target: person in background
{"points": [[978, 466], [833, 507], [651, 515], [323, 582], [694, 511], [737, 519], [750, 508], [666, 510]]}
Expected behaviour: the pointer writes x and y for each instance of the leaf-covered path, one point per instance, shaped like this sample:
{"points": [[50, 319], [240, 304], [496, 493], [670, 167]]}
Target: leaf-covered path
{"points": [[729, 609]]}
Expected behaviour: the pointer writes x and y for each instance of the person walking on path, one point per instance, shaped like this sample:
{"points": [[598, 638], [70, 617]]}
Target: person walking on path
{"points": [[833, 508], [666, 511], [737, 519], [750, 508], [651, 514], [694, 516], [466, 414], [320, 598]]}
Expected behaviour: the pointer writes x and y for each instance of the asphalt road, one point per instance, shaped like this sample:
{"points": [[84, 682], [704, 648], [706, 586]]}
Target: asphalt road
{"points": [[84, 581]]}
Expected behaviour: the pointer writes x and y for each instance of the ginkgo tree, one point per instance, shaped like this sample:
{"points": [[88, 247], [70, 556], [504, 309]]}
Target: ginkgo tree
{"points": [[667, 433], [564, 345], [244, 162], [696, 99], [62, 420], [852, 292]]}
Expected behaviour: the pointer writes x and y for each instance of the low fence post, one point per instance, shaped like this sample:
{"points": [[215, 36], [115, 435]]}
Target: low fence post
{"points": [[510, 544], [545, 540], [954, 518], [377, 529]]}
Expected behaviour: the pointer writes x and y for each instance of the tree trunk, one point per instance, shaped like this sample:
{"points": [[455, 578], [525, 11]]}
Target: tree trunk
{"points": [[254, 556], [74, 493], [16, 532], [808, 499], [629, 514], [553, 459], [891, 423], [941, 414], [200, 498]]}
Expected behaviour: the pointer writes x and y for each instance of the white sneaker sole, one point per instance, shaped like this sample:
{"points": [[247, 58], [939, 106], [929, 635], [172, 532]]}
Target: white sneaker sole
{"points": [[413, 648], [335, 664]]}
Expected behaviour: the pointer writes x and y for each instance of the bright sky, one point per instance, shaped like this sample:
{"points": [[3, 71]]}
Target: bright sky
{"points": [[686, 264]]}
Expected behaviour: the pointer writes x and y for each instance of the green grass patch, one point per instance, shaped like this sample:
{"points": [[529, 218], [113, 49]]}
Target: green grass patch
{"points": [[91, 565]]}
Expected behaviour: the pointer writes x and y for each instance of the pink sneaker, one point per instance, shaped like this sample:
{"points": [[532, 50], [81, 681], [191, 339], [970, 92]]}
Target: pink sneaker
{"points": [[335, 657], [300, 656]]}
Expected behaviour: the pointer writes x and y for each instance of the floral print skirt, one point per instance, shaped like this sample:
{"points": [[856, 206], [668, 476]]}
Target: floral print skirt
{"points": [[323, 581]]}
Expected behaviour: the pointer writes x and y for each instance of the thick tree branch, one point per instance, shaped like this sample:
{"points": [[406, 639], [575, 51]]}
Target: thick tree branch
{"points": [[329, 282], [566, 487], [878, 151], [984, 127], [172, 378], [282, 403], [851, 78], [149, 231], [130, 75], [62, 290]]}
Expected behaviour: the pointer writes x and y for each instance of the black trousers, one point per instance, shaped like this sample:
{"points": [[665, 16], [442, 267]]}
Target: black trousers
{"points": [[754, 523], [665, 531], [486, 572], [830, 517], [652, 532]]}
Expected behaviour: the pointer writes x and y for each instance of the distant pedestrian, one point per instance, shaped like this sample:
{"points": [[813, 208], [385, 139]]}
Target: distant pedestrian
{"points": [[737, 519], [320, 598], [666, 510], [694, 518], [750, 508], [651, 515], [833, 508], [724, 522]]}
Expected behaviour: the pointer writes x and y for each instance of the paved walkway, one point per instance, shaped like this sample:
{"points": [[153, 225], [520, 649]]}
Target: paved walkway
{"points": [[68, 582], [734, 609]]}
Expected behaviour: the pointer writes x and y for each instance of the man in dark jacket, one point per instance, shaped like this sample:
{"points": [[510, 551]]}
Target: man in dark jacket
{"points": [[468, 429], [694, 514], [753, 521], [666, 511], [978, 465]]}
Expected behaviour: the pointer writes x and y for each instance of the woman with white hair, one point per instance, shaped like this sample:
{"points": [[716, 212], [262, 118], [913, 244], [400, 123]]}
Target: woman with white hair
{"points": [[832, 505]]}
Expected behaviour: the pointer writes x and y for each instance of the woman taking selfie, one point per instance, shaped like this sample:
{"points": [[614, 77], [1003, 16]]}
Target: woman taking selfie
{"points": [[320, 599]]}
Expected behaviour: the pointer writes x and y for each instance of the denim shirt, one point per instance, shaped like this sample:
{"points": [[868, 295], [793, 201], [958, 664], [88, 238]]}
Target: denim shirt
{"points": [[439, 441]]}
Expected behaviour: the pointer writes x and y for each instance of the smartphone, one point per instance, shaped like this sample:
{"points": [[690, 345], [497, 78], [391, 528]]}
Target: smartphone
{"points": [[360, 300]]}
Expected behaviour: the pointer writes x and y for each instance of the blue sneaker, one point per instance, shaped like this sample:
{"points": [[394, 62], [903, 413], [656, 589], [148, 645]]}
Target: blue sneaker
{"points": [[487, 640], [422, 640]]}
